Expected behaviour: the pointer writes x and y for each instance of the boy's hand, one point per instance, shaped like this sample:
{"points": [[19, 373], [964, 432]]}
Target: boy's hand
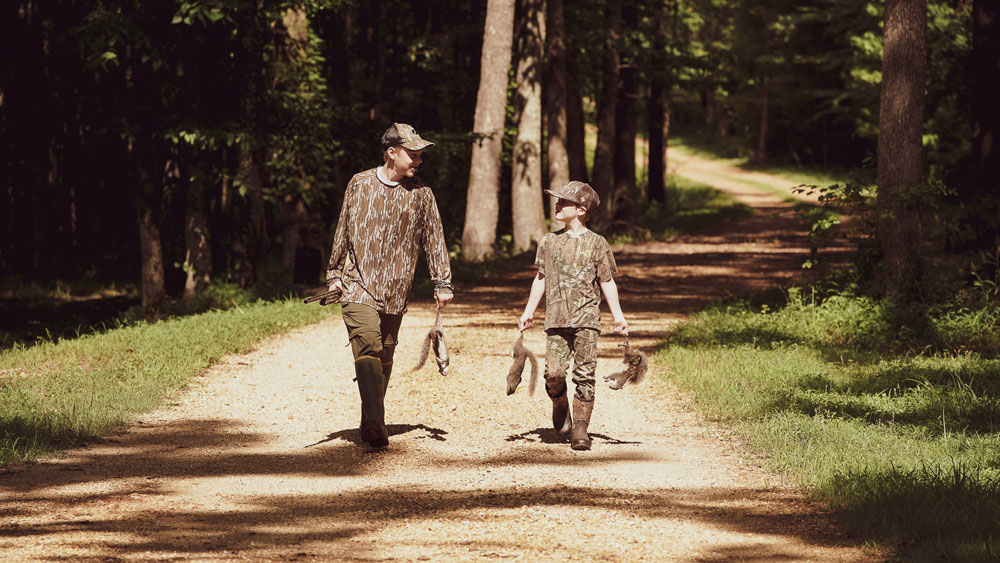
{"points": [[621, 326], [526, 320], [442, 299]]}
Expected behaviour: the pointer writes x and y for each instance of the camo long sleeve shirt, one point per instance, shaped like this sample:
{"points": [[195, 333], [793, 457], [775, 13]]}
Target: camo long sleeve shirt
{"points": [[378, 239]]}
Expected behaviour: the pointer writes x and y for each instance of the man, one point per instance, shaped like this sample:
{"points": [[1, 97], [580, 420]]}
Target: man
{"points": [[388, 214]]}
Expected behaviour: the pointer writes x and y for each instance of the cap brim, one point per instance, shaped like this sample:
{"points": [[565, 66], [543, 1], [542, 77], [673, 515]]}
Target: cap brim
{"points": [[560, 196], [417, 145]]}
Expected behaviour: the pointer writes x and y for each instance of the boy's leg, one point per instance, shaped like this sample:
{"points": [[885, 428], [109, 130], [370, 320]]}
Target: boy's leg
{"points": [[557, 355], [363, 330], [584, 376]]}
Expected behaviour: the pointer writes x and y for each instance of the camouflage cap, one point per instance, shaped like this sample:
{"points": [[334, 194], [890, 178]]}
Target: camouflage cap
{"points": [[403, 135], [579, 193]]}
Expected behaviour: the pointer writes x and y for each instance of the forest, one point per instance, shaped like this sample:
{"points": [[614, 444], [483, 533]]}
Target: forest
{"points": [[178, 144]]}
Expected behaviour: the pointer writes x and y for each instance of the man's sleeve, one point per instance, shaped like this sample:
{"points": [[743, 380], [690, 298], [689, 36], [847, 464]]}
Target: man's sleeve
{"points": [[606, 266], [434, 246], [338, 254], [540, 255]]}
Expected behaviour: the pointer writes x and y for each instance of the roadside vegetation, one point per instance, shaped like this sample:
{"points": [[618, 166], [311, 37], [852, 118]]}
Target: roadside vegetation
{"points": [[891, 414], [61, 393]]}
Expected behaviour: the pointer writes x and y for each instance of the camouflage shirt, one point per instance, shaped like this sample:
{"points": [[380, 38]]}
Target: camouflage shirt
{"points": [[378, 239], [574, 267]]}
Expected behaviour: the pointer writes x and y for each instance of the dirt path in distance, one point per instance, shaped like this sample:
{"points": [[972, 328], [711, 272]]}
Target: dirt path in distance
{"points": [[260, 458]]}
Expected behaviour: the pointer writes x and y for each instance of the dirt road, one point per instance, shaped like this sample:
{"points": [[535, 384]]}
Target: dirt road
{"points": [[260, 458]]}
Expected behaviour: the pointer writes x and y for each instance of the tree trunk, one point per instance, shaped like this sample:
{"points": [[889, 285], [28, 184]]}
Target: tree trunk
{"points": [[528, 211], [147, 204], [761, 152], [575, 135], [900, 158], [655, 112], [198, 249], [293, 216], [603, 174], [555, 101], [621, 204], [482, 209]]}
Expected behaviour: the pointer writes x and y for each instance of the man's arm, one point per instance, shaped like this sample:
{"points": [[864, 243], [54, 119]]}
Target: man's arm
{"points": [[534, 298], [438, 263], [610, 290], [338, 254]]}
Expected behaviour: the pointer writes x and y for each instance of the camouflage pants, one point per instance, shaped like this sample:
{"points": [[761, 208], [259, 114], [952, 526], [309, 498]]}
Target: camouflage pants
{"points": [[562, 344], [371, 333]]}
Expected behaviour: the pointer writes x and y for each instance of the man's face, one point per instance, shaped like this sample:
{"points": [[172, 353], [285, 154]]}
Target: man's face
{"points": [[406, 161]]}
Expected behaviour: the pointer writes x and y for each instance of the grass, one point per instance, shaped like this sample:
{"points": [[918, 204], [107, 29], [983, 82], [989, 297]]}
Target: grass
{"points": [[891, 415], [62, 393]]}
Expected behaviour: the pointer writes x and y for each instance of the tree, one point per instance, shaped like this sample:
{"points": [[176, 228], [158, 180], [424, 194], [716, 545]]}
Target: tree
{"points": [[657, 108], [900, 152], [555, 97], [483, 207], [528, 216], [604, 152]]}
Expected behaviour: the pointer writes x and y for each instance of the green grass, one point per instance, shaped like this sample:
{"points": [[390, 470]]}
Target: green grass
{"points": [[58, 394], [892, 415]]}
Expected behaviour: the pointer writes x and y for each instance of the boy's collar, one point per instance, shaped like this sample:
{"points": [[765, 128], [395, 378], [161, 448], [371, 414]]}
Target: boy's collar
{"points": [[381, 177]]}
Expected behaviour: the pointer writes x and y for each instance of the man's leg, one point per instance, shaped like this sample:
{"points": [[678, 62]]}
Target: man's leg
{"points": [[584, 375], [557, 354], [364, 331], [390, 336]]}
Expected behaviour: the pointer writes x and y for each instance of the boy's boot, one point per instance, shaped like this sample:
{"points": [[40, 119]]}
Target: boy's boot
{"points": [[579, 439], [371, 385], [562, 420]]}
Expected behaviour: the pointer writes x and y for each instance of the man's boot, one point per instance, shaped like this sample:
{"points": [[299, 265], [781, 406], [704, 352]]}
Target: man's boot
{"points": [[386, 372], [579, 439], [371, 386], [562, 421]]}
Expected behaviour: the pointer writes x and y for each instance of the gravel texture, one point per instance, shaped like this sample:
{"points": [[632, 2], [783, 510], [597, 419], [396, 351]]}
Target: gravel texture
{"points": [[260, 458]]}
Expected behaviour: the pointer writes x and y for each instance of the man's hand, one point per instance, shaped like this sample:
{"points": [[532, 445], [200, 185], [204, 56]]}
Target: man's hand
{"points": [[621, 326], [526, 320], [442, 299], [336, 284]]}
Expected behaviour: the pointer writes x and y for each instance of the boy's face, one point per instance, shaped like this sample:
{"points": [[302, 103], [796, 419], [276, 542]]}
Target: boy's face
{"points": [[567, 210]]}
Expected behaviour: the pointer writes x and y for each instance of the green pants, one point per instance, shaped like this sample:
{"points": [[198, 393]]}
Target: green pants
{"points": [[578, 344], [371, 333]]}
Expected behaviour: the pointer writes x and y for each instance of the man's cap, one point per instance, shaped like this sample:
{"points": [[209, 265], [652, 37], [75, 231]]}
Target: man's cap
{"points": [[403, 135], [579, 193]]}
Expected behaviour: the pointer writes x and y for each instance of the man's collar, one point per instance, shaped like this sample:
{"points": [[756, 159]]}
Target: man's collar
{"points": [[383, 179]]}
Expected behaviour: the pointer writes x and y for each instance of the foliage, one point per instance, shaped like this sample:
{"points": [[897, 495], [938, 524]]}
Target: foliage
{"points": [[893, 415]]}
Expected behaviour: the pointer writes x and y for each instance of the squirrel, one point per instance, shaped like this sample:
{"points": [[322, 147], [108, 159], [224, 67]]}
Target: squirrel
{"points": [[435, 339], [632, 370], [521, 354]]}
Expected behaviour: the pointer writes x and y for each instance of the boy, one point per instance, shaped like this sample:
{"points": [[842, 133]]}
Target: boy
{"points": [[572, 264]]}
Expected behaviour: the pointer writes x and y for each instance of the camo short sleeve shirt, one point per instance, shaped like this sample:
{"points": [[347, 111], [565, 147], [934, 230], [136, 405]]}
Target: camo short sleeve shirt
{"points": [[574, 267]]}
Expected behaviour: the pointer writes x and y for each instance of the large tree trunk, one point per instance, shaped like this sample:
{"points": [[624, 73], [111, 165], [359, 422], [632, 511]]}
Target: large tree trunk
{"points": [[555, 100], [657, 121], [900, 157], [621, 204], [526, 170], [603, 174], [198, 249], [482, 209], [575, 134], [760, 155]]}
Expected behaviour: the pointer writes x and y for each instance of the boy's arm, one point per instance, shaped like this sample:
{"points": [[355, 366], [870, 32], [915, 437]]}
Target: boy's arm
{"points": [[610, 290], [534, 297]]}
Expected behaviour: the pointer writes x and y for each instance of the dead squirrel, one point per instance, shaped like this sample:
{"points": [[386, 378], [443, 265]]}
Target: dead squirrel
{"points": [[435, 339], [632, 370], [521, 355]]}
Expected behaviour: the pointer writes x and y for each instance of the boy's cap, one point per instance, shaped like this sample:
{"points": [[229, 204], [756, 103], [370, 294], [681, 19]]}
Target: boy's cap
{"points": [[579, 193], [403, 135]]}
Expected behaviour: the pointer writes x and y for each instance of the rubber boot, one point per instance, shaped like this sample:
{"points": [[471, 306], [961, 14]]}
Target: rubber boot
{"points": [[579, 439], [562, 421], [386, 373], [371, 386]]}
